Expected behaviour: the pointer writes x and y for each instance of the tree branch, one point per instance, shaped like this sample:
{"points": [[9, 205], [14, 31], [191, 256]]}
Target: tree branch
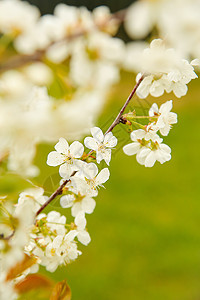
{"points": [[54, 195], [116, 121]]}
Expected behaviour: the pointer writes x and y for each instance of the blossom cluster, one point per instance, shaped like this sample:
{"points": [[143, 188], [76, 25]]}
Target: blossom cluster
{"points": [[59, 82], [147, 145], [55, 74]]}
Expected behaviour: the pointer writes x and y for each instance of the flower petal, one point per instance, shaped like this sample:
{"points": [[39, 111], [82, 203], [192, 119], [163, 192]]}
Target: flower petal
{"points": [[55, 159], [97, 134], [90, 170], [91, 143], [88, 205], [84, 237], [132, 148], [62, 146], [110, 140], [76, 149], [103, 176]]}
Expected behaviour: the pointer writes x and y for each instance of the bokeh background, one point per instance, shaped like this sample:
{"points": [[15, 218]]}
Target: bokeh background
{"points": [[146, 226]]}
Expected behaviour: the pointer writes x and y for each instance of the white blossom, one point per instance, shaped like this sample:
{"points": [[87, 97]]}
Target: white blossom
{"points": [[66, 156], [17, 16], [148, 148], [34, 197], [165, 117], [165, 71], [101, 144], [88, 180], [78, 203]]}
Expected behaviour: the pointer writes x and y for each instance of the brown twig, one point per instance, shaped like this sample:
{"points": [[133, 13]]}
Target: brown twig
{"points": [[54, 195], [117, 120]]}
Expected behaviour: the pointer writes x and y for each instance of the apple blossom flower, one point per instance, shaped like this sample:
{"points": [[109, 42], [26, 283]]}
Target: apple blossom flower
{"points": [[165, 117], [34, 197], [78, 203], [100, 143], [88, 180], [164, 71], [148, 148], [61, 251], [66, 156]]}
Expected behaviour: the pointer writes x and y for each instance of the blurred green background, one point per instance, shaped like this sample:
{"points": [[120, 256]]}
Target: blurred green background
{"points": [[146, 226]]}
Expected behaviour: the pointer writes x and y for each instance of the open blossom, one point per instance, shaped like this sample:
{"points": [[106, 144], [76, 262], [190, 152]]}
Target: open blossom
{"points": [[87, 181], [165, 117], [165, 71], [80, 203], [66, 156], [148, 148], [80, 222], [61, 251], [34, 197], [101, 144]]}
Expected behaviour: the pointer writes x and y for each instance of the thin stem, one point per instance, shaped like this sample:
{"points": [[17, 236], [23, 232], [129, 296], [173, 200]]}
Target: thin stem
{"points": [[117, 120], [55, 194]]}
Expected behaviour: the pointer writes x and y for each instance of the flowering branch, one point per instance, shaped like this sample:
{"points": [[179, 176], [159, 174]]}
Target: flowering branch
{"points": [[22, 60], [54, 195], [117, 120]]}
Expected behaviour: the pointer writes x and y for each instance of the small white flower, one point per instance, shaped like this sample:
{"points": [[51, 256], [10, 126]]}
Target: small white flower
{"points": [[165, 117], [88, 180], [101, 144], [66, 156], [82, 203], [165, 71], [61, 251], [34, 197], [80, 222], [148, 148]]}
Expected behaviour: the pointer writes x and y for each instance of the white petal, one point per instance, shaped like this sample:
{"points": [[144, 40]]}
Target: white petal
{"points": [[107, 156], [84, 237], [90, 170], [97, 134], [138, 22], [62, 146], [110, 140], [88, 205], [80, 221], [103, 176], [99, 156], [132, 148], [55, 159], [150, 159], [76, 149], [91, 143], [76, 209], [166, 107], [66, 170], [67, 201], [180, 89], [144, 152], [153, 109], [71, 235], [137, 134], [165, 148], [156, 89]]}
